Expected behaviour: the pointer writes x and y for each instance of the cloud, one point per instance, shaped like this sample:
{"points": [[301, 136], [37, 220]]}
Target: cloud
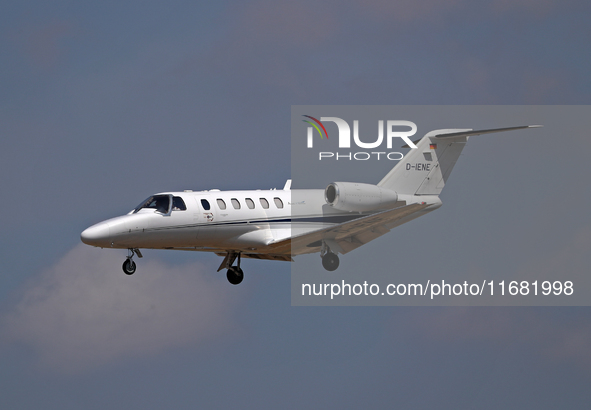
{"points": [[84, 312]]}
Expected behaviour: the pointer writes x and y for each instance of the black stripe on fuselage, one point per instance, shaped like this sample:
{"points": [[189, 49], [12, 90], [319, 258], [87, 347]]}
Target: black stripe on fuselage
{"points": [[335, 219]]}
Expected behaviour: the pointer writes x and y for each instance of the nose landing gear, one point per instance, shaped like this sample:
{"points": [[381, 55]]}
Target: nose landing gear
{"points": [[129, 265]]}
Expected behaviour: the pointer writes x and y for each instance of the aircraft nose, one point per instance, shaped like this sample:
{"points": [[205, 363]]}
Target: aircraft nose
{"points": [[97, 235]]}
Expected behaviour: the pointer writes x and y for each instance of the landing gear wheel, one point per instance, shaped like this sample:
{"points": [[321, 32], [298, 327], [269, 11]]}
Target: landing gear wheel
{"points": [[330, 261], [235, 275], [129, 267]]}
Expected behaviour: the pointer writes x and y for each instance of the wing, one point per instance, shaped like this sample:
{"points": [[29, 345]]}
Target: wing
{"points": [[347, 236], [342, 238]]}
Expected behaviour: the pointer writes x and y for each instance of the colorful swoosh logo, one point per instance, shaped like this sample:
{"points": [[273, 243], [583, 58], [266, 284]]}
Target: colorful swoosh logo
{"points": [[315, 126]]}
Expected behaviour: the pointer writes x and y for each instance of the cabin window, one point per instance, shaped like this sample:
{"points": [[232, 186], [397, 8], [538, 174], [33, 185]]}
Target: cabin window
{"points": [[205, 204], [178, 204], [249, 203], [221, 204], [235, 203], [159, 203], [278, 202], [264, 203]]}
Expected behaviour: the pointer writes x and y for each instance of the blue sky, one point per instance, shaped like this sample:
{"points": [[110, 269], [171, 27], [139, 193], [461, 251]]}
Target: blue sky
{"points": [[104, 104]]}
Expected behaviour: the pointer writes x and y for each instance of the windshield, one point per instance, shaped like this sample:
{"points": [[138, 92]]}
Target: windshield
{"points": [[160, 203]]}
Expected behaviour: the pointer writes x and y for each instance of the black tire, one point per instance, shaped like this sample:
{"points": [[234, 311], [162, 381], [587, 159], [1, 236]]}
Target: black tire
{"points": [[129, 267], [330, 261], [235, 275]]}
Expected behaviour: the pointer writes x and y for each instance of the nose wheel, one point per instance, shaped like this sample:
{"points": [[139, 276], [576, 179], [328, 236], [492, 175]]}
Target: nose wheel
{"points": [[129, 265]]}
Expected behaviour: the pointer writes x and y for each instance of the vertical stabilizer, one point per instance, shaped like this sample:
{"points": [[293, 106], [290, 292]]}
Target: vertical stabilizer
{"points": [[424, 170]]}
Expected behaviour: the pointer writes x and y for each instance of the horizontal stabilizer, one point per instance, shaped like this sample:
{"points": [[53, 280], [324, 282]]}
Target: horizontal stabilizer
{"points": [[468, 133], [481, 132]]}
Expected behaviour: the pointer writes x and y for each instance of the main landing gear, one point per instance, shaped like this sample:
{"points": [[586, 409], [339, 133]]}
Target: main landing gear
{"points": [[129, 264], [330, 260], [234, 273]]}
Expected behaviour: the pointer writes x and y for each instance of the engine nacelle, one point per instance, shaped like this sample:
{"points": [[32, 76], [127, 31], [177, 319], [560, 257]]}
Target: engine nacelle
{"points": [[356, 197]]}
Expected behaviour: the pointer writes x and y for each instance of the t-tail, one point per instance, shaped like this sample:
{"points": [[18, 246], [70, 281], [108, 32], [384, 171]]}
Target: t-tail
{"points": [[425, 170]]}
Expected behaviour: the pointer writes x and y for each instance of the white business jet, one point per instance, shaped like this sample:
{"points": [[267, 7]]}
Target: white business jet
{"points": [[280, 224]]}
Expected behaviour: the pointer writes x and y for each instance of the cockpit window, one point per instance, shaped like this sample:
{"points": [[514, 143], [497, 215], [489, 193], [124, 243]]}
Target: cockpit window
{"points": [[160, 203], [178, 204]]}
